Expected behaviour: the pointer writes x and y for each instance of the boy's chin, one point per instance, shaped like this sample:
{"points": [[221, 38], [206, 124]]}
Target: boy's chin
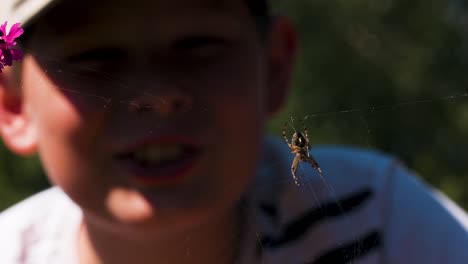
{"points": [[133, 210], [129, 206]]}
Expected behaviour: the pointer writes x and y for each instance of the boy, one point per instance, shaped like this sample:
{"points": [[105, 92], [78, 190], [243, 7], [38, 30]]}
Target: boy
{"points": [[148, 116]]}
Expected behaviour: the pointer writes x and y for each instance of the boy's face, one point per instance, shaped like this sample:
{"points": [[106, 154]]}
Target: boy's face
{"points": [[149, 112]]}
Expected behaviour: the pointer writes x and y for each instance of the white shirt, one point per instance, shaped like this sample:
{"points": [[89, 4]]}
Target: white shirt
{"points": [[368, 209]]}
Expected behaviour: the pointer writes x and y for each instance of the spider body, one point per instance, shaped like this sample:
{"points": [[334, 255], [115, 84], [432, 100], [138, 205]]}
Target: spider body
{"points": [[299, 140], [300, 146]]}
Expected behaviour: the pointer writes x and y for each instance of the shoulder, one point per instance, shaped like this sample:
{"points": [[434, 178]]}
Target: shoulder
{"points": [[29, 225], [35, 207]]}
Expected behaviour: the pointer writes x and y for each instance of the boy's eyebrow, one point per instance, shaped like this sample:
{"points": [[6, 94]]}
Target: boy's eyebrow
{"points": [[99, 53], [192, 41]]}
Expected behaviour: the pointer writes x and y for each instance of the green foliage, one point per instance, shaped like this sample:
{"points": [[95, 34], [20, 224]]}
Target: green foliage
{"points": [[19, 177], [386, 75]]}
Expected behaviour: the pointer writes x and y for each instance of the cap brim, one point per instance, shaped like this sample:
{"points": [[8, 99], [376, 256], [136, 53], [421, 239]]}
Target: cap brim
{"points": [[22, 11]]}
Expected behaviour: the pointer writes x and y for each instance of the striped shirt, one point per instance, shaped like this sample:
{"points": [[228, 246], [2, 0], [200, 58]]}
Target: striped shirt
{"points": [[367, 209]]}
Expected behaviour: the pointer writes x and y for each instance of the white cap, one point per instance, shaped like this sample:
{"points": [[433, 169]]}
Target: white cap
{"points": [[21, 11]]}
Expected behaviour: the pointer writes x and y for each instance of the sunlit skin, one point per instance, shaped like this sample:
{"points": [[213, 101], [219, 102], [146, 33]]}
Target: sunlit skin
{"points": [[208, 76]]}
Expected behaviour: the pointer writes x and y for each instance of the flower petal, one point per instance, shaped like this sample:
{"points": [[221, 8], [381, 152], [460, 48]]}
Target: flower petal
{"points": [[15, 31], [3, 28], [8, 53]]}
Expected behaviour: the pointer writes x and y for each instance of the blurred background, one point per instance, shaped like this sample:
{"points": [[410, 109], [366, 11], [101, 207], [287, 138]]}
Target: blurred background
{"points": [[387, 75]]}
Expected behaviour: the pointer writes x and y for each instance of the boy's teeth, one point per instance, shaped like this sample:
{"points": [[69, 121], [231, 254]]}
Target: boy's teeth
{"points": [[157, 154]]}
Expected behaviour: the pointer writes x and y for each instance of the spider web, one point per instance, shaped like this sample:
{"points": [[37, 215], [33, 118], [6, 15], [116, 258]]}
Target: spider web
{"points": [[364, 126], [361, 114]]}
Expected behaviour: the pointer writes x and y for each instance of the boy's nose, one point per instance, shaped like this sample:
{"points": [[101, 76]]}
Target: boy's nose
{"points": [[167, 104]]}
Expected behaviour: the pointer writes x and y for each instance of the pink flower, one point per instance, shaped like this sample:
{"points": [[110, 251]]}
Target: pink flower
{"points": [[15, 31], [7, 43]]}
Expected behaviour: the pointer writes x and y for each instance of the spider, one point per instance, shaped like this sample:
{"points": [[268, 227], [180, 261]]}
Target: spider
{"points": [[300, 146]]}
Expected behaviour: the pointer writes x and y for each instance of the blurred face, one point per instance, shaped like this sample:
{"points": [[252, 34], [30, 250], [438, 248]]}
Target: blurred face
{"points": [[149, 114]]}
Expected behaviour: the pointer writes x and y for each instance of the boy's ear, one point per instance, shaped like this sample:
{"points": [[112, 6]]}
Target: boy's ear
{"points": [[282, 48], [16, 128]]}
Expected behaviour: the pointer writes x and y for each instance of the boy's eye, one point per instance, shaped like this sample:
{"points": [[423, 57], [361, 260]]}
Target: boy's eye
{"points": [[97, 54], [93, 61]]}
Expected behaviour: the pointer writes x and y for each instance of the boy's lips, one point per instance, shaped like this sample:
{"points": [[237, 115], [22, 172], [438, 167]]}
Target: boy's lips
{"points": [[159, 161]]}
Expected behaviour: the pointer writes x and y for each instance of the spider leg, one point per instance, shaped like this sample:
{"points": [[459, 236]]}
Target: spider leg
{"points": [[314, 164], [294, 169], [284, 134], [306, 133], [305, 128]]}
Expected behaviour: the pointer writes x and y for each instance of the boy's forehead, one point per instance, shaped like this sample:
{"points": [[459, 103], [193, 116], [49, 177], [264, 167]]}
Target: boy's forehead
{"points": [[63, 16], [66, 14], [137, 26], [155, 5]]}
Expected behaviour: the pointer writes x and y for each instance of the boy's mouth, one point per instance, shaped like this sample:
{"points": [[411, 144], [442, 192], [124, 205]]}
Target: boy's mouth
{"points": [[159, 163], [156, 155]]}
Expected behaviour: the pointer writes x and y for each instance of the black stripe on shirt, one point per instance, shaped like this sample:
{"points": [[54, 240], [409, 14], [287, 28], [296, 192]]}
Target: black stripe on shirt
{"points": [[298, 227], [351, 251]]}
